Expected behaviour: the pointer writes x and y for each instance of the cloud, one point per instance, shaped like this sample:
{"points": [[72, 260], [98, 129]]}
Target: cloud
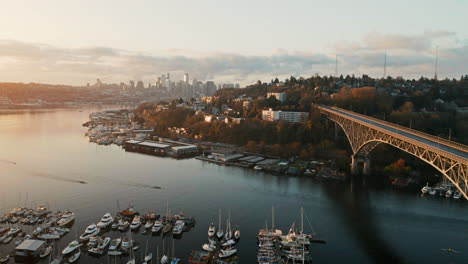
{"points": [[409, 56]]}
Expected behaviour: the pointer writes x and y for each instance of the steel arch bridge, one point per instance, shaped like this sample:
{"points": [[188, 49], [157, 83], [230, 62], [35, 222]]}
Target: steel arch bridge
{"points": [[364, 133]]}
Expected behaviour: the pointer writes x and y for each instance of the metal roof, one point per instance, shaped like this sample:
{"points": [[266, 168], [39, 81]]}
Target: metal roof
{"points": [[185, 147], [30, 245], [133, 141], [153, 144]]}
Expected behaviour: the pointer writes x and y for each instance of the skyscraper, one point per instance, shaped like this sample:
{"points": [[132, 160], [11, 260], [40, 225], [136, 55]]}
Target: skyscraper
{"points": [[186, 78]]}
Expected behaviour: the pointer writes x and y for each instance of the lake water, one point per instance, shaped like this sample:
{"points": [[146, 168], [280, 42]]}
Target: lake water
{"points": [[43, 151]]}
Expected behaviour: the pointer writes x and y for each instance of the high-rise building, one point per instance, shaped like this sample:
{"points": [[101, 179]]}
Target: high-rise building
{"points": [[186, 78]]}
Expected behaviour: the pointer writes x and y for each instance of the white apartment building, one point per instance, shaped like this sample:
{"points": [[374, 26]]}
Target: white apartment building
{"points": [[291, 117], [279, 96]]}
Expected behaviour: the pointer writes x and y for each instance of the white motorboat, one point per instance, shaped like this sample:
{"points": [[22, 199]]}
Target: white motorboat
{"points": [[209, 247], [257, 167], [178, 227], [449, 193], [114, 244], [433, 191], [103, 243], [220, 232], [66, 219], [91, 230], [73, 258], [157, 226], [237, 234], [126, 244], [136, 223], [457, 195], [116, 224], [211, 230], [71, 247], [426, 189], [227, 252], [7, 239], [148, 224], [45, 251], [114, 253], [96, 251], [124, 225], [13, 231], [106, 220]]}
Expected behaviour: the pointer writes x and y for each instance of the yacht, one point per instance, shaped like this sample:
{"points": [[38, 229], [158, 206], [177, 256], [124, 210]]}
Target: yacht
{"points": [[103, 243], [106, 220], [91, 230], [157, 226], [114, 244], [92, 242], [116, 224], [74, 257], [66, 219], [124, 225], [126, 244], [71, 247], [136, 223], [148, 224], [178, 227], [433, 191], [167, 227], [211, 230]]}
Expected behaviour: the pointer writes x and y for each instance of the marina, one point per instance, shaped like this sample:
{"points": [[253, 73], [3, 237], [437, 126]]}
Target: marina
{"points": [[346, 216]]}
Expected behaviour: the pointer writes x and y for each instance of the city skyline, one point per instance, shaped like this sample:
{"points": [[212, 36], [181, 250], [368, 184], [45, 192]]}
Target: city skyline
{"points": [[139, 41]]}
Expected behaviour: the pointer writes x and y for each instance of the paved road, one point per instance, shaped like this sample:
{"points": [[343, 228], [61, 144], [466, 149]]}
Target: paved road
{"points": [[432, 143]]}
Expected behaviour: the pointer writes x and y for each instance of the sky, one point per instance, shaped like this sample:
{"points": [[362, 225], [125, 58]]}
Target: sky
{"points": [[76, 41]]}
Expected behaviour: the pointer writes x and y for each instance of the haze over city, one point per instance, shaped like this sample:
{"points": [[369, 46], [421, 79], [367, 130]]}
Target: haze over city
{"points": [[76, 42]]}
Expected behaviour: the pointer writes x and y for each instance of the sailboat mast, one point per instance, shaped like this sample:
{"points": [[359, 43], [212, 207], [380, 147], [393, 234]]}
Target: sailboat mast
{"points": [[219, 228], [302, 220], [272, 218]]}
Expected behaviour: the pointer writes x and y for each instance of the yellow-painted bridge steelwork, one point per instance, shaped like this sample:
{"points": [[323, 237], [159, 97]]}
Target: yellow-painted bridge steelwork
{"points": [[365, 133]]}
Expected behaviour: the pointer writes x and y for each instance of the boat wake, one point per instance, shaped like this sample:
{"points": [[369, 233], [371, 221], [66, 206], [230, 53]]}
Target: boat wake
{"points": [[8, 161], [58, 178], [133, 184]]}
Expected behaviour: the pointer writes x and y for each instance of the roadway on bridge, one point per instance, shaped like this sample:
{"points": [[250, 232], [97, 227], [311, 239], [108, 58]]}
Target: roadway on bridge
{"points": [[432, 143]]}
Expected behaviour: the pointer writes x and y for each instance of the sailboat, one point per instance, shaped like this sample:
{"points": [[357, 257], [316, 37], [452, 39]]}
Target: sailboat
{"points": [[164, 258], [228, 234], [149, 256], [174, 259], [220, 232]]}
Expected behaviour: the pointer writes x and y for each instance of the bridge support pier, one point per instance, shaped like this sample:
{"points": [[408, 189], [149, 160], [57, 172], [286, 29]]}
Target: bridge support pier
{"points": [[356, 161], [336, 131]]}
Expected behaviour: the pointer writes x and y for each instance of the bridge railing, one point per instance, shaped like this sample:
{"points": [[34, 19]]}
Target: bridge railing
{"points": [[402, 137], [439, 140]]}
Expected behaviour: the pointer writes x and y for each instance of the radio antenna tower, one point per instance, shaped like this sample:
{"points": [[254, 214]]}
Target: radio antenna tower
{"points": [[385, 65], [336, 66], [436, 62]]}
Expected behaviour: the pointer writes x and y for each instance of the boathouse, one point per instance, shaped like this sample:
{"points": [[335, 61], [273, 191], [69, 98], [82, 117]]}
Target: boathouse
{"points": [[28, 251]]}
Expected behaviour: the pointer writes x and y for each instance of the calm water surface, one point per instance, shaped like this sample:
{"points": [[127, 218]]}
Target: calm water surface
{"points": [[360, 225]]}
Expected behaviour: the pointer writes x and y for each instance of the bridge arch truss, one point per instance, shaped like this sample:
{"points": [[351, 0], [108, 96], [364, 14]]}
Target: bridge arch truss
{"points": [[365, 136]]}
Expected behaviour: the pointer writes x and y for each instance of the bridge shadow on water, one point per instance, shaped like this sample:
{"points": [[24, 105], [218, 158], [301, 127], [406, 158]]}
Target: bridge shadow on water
{"points": [[352, 199]]}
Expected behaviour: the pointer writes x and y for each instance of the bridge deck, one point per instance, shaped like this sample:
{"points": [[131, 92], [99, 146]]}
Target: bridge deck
{"points": [[436, 144]]}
